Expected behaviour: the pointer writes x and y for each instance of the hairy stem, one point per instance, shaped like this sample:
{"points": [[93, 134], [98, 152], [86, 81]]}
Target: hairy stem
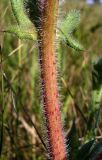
{"points": [[46, 39]]}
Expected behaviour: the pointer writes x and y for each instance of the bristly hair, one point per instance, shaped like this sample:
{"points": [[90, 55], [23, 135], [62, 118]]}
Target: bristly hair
{"points": [[34, 10]]}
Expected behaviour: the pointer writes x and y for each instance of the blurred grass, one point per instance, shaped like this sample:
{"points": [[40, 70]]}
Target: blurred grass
{"points": [[20, 95]]}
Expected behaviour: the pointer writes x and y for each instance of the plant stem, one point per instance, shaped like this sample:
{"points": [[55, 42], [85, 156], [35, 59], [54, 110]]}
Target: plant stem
{"points": [[46, 40]]}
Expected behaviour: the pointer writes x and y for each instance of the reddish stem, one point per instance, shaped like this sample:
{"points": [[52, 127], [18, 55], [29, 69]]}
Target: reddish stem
{"points": [[46, 37]]}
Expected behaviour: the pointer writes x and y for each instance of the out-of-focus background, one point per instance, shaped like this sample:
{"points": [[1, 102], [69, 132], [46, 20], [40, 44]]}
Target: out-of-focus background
{"points": [[20, 91]]}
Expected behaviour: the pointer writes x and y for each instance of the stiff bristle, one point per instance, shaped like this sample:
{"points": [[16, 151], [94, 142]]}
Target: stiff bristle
{"points": [[34, 10]]}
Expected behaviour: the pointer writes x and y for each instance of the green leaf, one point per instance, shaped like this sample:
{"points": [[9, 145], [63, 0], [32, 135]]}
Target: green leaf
{"points": [[24, 28], [22, 33], [19, 13], [73, 43], [70, 22]]}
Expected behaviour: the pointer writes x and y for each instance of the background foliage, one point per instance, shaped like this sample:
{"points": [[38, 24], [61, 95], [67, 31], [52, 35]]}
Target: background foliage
{"points": [[20, 92]]}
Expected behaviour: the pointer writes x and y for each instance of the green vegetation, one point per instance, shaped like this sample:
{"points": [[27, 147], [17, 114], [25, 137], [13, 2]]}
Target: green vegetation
{"points": [[21, 127]]}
